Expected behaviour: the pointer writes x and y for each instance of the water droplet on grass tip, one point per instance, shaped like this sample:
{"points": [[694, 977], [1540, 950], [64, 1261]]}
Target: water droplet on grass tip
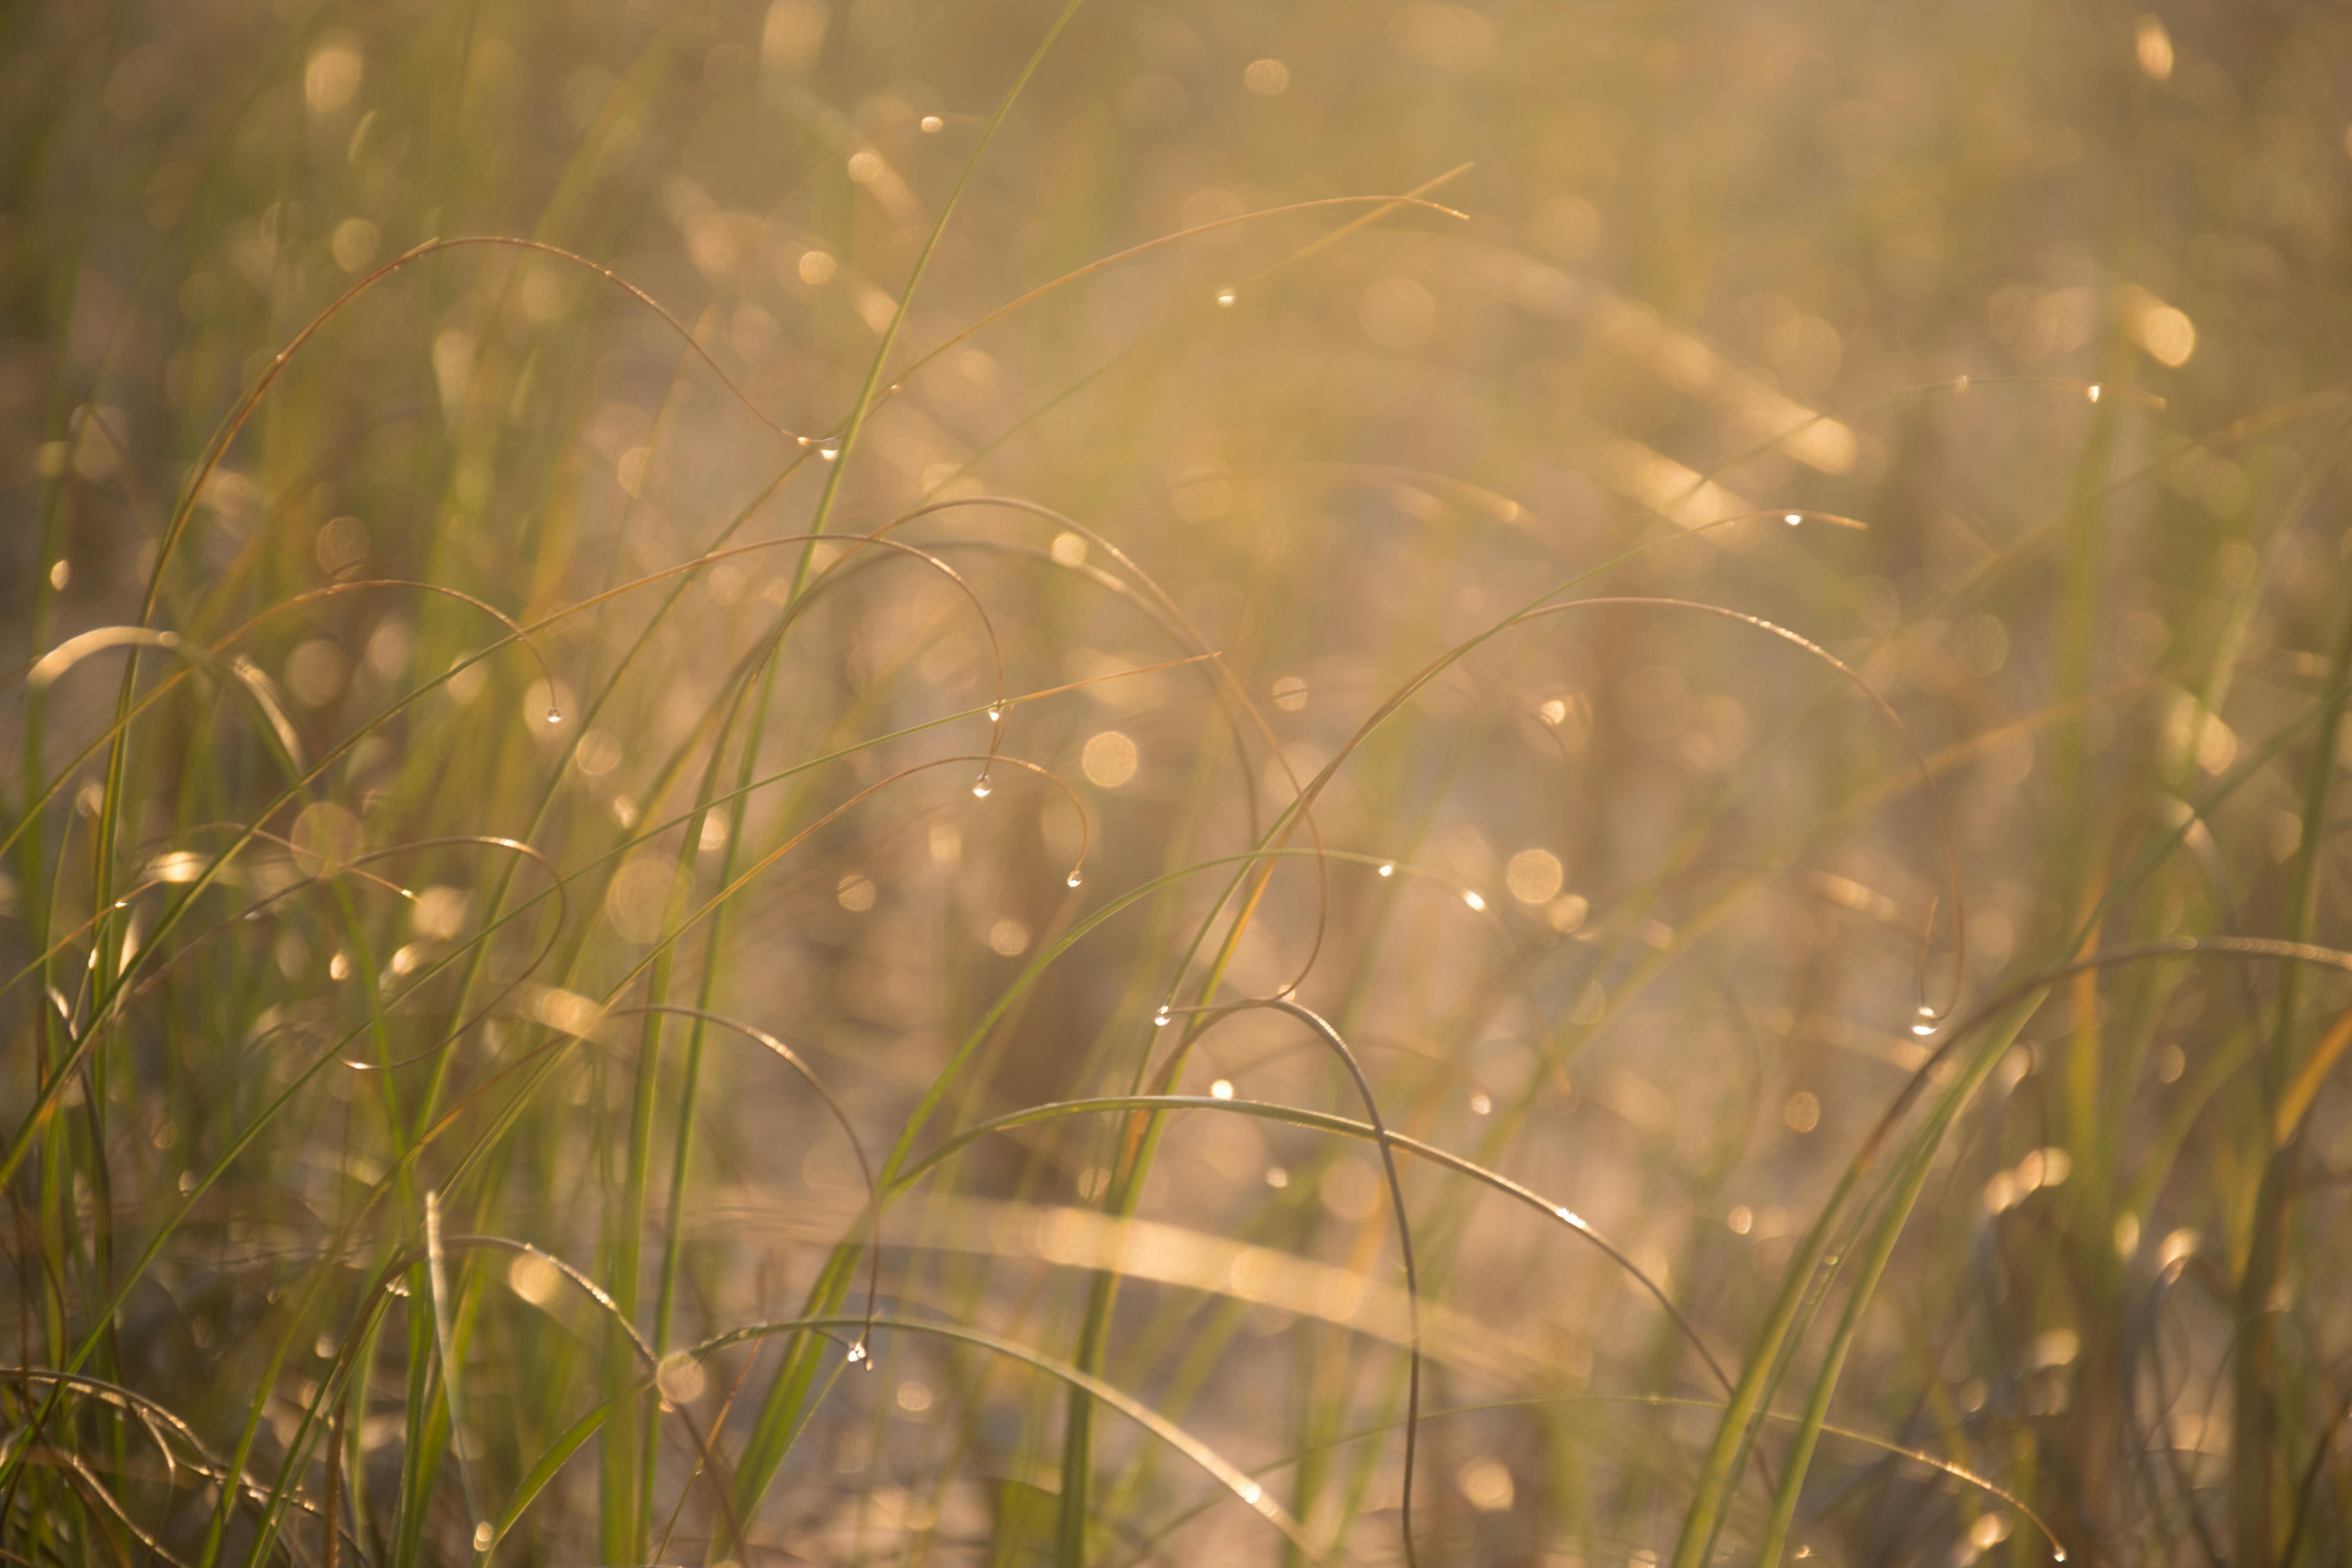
{"points": [[980, 787], [995, 715], [1160, 1019], [857, 1352], [1076, 879], [555, 715], [1387, 869]]}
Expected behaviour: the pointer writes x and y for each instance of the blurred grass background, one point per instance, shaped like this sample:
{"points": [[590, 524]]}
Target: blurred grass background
{"points": [[331, 926]]}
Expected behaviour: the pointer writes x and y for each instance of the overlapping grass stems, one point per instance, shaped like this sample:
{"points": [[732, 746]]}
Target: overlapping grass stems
{"points": [[437, 1136]]}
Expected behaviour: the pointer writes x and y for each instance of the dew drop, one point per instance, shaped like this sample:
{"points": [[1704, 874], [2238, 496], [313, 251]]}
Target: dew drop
{"points": [[1387, 869], [980, 787], [804, 440], [483, 1536], [1794, 518], [555, 715], [1474, 900], [828, 449], [1160, 1019], [2095, 391], [1225, 296], [1222, 1089], [995, 715], [1076, 879], [857, 1352], [1572, 1217]]}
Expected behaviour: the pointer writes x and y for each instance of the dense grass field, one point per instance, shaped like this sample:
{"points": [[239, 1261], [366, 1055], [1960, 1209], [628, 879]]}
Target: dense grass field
{"points": [[1110, 784]]}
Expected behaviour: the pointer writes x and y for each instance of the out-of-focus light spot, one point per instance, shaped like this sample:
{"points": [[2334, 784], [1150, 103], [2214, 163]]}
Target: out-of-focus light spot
{"points": [[1534, 876], [638, 900], [1069, 550], [1290, 693], [1109, 760], [355, 243], [1266, 77], [533, 1278], [1486, 1485], [1474, 900], [2153, 46], [342, 544], [1481, 1103], [1276, 1177], [439, 913], [680, 1378], [315, 672], [1008, 938], [855, 892], [817, 266], [932, 124], [333, 76], [1802, 1113], [629, 469], [2165, 333], [1677, 493], [1741, 1220], [599, 753], [1387, 869], [865, 166]]}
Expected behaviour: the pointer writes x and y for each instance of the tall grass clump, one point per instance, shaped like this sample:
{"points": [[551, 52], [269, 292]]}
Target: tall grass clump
{"points": [[1105, 783]]}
